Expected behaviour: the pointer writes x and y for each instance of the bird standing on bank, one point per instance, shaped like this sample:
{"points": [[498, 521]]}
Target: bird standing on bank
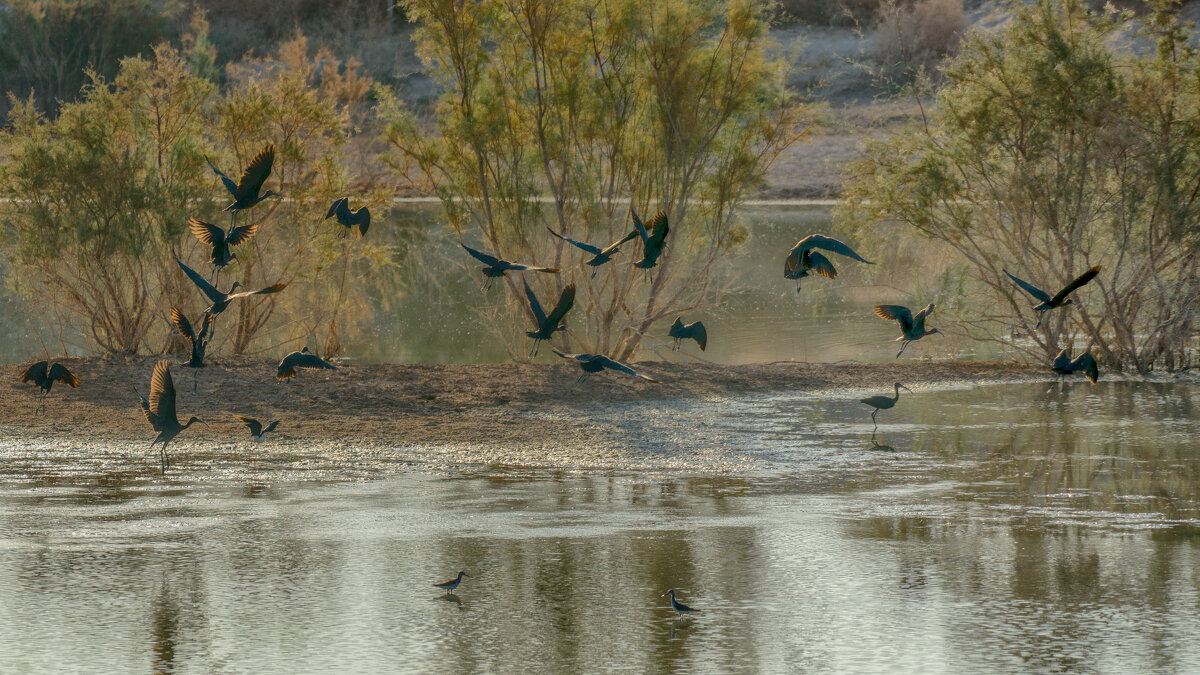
{"points": [[803, 259], [257, 432], [679, 607], [452, 584], [883, 402], [1063, 366], [291, 363], [246, 192], [548, 324], [911, 327], [350, 219], [1059, 299], [599, 255], [220, 240], [44, 376], [654, 238], [497, 267], [681, 331], [221, 300], [594, 363], [159, 409]]}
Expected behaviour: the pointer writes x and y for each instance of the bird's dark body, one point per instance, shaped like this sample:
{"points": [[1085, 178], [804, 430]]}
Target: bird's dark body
{"points": [[803, 260], [1046, 302], [1085, 363], [654, 238], [220, 240], [912, 327], [350, 219], [497, 268], [220, 301], [44, 376], [600, 256], [292, 363], [247, 192], [883, 402], [548, 324], [159, 409], [594, 363], [694, 331]]}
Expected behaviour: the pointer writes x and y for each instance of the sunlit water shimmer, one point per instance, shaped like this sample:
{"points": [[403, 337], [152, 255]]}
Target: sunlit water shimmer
{"points": [[996, 529]]}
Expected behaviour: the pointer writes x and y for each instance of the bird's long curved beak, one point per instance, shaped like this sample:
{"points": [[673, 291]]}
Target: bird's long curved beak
{"points": [[906, 389]]}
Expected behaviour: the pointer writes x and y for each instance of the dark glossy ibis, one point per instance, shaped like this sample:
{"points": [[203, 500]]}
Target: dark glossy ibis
{"points": [[803, 259], [44, 376], [883, 402], [679, 607], [350, 219], [548, 324], [199, 341], [1059, 299], [654, 238], [221, 300], [1063, 366], [594, 363], [159, 409], [247, 192], [695, 331], [599, 255], [497, 267], [911, 327], [452, 584], [257, 431], [220, 240], [291, 363]]}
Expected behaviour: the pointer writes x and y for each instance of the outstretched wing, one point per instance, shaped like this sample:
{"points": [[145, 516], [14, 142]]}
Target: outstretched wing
{"points": [[638, 226], [566, 300], [821, 265], [659, 228], [1036, 292], [36, 373], [305, 360], [612, 248], [239, 235], [1062, 361], [699, 334], [521, 267], [594, 250], [1087, 363], [207, 288], [182, 324], [336, 207], [896, 313], [273, 288], [162, 393], [207, 233], [256, 174], [361, 218], [226, 180], [1071, 287], [538, 314], [617, 365], [59, 372], [923, 313], [150, 417], [829, 244], [482, 257], [206, 327], [576, 357], [791, 267], [252, 424]]}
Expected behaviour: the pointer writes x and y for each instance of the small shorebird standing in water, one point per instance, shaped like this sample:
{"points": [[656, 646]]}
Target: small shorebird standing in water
{"points": [[676, 605], [449, 586]]}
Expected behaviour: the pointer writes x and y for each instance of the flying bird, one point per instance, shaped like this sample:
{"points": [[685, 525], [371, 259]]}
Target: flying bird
{"points": [[1059, 299], [594, 363], [497, 267], [302, 359], [599, 255], [221, 300], [882, 402], [681, 331], [548, 324], [220, 240], [1063, 366], [199, 341], [654, 238], [679, 607], [246, 191], [44, 376], [159, 409], [257, 432], [449, 586], [803, 259], [911, 327], [350, 219]]}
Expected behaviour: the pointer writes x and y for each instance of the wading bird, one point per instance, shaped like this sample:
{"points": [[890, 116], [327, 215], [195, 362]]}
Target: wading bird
{"points": [[350, 219], [654, 238], [220, 240], [681, 331], [221, 300], [802, 259], [882, 402], [44, 376], [302, 359], [1060, 299], [911, 327], [199, 341], [599, 255], [594, 363], [679, 607], [497, 267], [246, 191], [548, 324], [160, 410], [1063, 366], [257, 432], [449, 586]]}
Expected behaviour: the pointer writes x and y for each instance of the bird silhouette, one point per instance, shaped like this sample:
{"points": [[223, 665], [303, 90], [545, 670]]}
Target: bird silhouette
{"points": [[679, 607], [257, 432], [1059, 299], [883, 402], [803, 259], [220, 240], [654, 238], [199, 341], [350, 219], [44, 376], [548, 324], [246, 192], [452, 584], [497, 267], [291, 363], [221, 300], [911, 327], [159, 409], [681, 331], [1063, 365], [594, 363], [599, 255]]}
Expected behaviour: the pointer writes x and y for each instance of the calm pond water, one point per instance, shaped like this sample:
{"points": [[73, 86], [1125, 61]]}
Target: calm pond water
{"points": [[996, 529]]}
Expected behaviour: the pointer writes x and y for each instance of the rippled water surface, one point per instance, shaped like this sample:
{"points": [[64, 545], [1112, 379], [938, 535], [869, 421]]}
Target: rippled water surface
{"points": [[997, 529]]}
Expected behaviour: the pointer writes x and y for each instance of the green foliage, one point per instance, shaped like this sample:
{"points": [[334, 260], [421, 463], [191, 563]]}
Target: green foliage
{"points": [[555, 113], [1050, 150]]}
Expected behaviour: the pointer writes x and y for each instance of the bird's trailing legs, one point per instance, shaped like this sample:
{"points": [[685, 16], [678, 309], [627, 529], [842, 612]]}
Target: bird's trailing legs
{"points": [[876, 423], [902, 347], [41, 406]]}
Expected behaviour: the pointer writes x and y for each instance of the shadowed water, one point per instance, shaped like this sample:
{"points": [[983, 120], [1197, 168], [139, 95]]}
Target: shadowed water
{"points": [[996, 529]]}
